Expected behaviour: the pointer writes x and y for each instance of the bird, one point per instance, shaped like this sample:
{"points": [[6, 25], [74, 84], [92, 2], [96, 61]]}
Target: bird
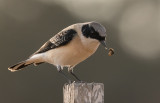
{"points": [[67, 48]]}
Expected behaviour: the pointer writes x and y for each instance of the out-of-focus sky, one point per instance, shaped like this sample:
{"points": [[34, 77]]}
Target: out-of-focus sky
{"points": [[133, 30]]}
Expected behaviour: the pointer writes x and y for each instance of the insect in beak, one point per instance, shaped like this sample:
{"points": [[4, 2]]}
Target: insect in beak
{"points": [[111, 50]]}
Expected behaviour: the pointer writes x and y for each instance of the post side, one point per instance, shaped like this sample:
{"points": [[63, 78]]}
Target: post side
{"points": [[83, 93]]}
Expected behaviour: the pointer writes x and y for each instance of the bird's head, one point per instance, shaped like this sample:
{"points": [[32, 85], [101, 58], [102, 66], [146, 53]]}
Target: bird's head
{"points": [[94, 30]]}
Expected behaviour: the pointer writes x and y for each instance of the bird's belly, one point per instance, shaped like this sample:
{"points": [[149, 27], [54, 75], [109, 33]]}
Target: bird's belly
{"points": [[68, 55]]}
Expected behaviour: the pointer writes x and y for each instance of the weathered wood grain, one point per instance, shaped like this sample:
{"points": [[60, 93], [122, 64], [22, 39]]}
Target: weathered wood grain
{"points": [[83, 93]]}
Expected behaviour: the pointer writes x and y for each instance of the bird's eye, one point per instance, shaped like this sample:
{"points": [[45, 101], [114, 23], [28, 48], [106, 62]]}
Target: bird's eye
{"points": [[92, 32]]}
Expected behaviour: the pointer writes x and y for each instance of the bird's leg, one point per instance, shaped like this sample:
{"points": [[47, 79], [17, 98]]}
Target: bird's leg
{"points": [[59, 69], [75, 76], [71, 72]]}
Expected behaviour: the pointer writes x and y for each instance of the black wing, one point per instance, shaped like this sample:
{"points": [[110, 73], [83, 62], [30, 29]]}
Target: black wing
{"points": [[60, 39]]}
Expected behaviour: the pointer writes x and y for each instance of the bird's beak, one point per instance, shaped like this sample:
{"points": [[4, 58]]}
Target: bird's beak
{"points": [[104, 43]]}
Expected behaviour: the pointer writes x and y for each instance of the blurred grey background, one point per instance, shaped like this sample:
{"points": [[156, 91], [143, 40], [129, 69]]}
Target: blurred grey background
{"points": [[132, 75]]}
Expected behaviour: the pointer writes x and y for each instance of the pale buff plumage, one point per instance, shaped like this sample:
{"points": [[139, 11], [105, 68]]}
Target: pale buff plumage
{"points": [[77, 50]]}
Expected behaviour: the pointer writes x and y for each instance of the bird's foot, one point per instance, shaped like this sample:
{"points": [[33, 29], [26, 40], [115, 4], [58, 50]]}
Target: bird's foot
{"points": [[80, 82], [70, 81]]}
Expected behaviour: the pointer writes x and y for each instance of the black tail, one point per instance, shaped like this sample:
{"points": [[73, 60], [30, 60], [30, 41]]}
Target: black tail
{"points": [[19, 66], [36, 60]]}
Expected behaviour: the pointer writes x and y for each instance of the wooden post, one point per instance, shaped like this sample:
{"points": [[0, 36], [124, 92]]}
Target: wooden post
{"points": [[83, 93]]}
